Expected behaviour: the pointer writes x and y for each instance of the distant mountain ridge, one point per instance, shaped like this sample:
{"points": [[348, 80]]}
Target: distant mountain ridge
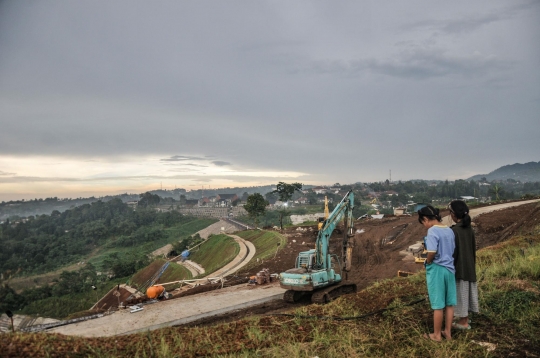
{"points": [[527, 172]]}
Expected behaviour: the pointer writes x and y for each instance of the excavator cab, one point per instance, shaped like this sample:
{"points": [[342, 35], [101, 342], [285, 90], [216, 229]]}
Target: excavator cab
{"points": [[320, 222]]}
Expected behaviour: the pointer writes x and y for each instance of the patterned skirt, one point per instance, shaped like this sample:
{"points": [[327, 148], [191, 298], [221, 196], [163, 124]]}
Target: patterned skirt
{"points": [[467, 298]]}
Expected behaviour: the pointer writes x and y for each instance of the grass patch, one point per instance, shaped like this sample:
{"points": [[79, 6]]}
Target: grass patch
{"points": [[173, 272], [265, 242], [172, 235], [216, 252], [62, 306]]}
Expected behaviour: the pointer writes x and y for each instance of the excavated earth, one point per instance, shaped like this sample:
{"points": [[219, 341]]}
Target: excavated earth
{"points": [[376, 255]]}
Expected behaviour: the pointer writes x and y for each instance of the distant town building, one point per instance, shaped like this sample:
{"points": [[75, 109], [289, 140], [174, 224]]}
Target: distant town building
{"points": [[190, 203], [225, 200], [320, 190]]}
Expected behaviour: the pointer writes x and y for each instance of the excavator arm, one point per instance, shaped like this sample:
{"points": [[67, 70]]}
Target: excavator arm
{"points": [[342, 210]]}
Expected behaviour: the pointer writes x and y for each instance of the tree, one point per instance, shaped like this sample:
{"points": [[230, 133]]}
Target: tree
{"points": [[285, 192], [497, 190], [245, 196], [148, 199], [312, 198], [255, 206]]}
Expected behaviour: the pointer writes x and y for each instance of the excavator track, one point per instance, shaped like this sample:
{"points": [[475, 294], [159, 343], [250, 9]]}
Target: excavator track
{"points": [[292, 296], [331, 293]]}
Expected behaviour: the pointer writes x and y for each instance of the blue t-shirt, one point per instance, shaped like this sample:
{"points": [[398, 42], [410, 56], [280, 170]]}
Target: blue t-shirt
{"points": [[441, 239]]}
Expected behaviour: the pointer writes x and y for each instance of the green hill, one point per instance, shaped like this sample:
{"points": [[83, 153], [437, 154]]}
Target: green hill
{"points": [[527, 172], [265, 242], [215, 253]]}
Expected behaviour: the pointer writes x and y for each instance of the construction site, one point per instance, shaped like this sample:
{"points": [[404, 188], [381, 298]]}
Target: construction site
{"points": [[383, 248]]}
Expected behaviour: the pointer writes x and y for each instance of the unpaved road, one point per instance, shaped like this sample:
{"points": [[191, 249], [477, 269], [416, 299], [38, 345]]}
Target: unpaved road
{"points": [[447, 220], [175, 312]]}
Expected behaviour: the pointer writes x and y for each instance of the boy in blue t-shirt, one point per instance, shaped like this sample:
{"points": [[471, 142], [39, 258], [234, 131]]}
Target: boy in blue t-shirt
{"points": [[440, 270]]}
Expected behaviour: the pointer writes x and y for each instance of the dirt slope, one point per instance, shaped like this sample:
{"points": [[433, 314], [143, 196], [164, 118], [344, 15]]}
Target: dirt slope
{"points": [[376, 254]]}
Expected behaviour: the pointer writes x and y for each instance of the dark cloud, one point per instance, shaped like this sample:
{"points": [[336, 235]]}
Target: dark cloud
{"points": [[5, 173], [273, 86]]}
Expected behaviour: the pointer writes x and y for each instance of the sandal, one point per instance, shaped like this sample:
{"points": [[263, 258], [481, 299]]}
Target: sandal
{"points": [[460, 326]]}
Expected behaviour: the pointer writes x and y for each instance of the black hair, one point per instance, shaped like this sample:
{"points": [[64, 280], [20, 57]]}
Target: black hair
{"points": [[428, 212], [460, 209]]}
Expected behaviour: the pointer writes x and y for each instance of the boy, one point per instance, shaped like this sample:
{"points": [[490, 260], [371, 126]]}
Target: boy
{"points": [[440, 270]]}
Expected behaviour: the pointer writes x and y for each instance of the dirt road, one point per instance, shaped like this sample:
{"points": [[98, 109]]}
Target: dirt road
{"points": [[175, 312], [487, 209]]}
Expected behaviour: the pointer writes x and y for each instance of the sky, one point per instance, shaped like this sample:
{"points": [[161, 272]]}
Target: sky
{"points": [[108, 97]]}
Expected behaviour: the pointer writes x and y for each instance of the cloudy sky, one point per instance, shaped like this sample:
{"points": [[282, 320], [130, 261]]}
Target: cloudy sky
{"points": [[106, 97]]}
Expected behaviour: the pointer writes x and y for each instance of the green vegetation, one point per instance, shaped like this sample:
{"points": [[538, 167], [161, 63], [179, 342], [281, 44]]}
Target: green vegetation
{"points": [[173, 272], [45, 243], [63, 306], [16, 209], [216, 252], [179, 246], [112, 239], [285, 192], [172, 235], [255, 207], [71, 292], [266, 244]]}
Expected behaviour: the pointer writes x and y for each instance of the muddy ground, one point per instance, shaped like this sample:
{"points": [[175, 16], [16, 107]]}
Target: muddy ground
{"points": [[377, 252]]}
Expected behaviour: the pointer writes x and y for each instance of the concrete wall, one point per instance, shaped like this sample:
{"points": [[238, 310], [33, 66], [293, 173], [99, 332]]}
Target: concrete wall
{"points": [[298, 219], [205, 212]]}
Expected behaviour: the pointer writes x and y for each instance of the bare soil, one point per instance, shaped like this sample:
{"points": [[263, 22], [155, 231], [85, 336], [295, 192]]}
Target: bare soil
{"points": [[376, 255], [500, 225]]}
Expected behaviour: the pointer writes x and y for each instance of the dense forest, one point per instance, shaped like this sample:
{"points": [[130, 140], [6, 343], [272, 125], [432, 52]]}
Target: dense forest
{"points": [[46, 242]]}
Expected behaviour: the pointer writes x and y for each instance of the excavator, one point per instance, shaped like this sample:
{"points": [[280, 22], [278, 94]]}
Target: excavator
{"points": [[318, 273]]}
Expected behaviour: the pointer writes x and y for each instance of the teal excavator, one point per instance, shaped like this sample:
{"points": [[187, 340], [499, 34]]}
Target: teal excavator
{"points": [[318, 273]]}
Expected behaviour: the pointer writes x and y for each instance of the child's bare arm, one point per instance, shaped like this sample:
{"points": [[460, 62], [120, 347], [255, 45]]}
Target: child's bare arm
{"points": [[430, 257]]}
